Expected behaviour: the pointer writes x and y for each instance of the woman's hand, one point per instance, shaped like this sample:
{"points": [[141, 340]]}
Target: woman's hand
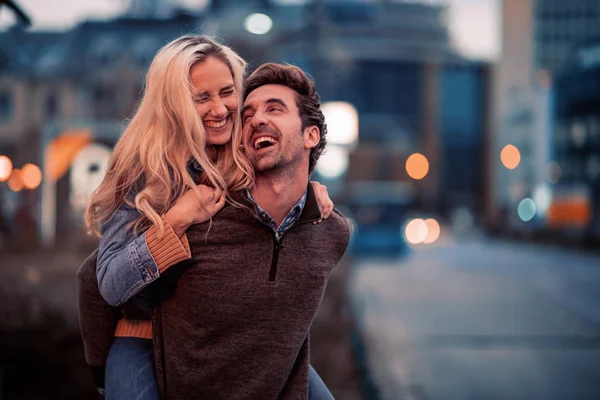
{"points": [[191, 209], [323, 200]]}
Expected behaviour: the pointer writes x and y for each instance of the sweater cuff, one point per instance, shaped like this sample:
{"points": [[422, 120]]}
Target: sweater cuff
{"points": [[170, 249]]}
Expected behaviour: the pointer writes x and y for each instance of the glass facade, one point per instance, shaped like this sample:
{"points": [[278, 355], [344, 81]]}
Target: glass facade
{"points": [[461, 126], [577, 133]]}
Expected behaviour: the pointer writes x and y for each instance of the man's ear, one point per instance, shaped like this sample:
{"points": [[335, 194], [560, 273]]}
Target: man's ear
{"points": [[312, 137]]}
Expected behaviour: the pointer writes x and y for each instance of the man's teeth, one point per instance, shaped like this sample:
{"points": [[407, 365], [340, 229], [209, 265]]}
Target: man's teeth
{"points": [[215, 125], [258, 142]]}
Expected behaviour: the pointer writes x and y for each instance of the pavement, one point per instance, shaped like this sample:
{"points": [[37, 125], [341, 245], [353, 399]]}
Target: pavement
{"points": [[480, 319]]}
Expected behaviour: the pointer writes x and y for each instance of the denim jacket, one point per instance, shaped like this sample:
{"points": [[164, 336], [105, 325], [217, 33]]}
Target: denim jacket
{"points": [[125, 265]]}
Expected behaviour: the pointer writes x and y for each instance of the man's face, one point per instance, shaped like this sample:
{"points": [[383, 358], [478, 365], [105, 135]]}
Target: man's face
{"points": [[272, 129]]}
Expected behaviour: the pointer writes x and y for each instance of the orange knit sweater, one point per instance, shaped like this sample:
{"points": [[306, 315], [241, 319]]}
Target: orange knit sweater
{"points": [[166, 252]]}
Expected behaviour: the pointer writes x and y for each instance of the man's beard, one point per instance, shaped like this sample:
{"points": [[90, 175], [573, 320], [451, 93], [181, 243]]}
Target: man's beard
{"points": [[279, 163]]}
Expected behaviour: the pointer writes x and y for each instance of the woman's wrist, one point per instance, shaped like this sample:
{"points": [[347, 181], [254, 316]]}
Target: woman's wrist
{"points": [[178, 221]]}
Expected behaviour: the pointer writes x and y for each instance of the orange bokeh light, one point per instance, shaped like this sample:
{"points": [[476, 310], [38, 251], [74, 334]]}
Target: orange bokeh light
{"points": [[15, 182], [510, 156], [32, 176], [417, 166]]}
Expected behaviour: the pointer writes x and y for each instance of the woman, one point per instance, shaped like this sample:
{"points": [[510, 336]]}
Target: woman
{"points": [[173, 167]]}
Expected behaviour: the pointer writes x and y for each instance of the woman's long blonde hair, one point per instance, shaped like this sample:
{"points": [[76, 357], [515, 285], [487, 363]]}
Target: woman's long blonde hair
{"points": [[150, 160]]}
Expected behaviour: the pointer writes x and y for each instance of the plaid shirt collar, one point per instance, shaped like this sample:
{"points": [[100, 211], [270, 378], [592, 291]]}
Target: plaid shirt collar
{"points": [[288, 221]]}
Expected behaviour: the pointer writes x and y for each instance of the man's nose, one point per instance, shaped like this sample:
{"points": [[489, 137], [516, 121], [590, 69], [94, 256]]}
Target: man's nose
{"points": [[258, 119]]}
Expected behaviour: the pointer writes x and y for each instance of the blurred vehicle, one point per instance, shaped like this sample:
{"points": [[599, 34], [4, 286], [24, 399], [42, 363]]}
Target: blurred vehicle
{"points": [[378, 211]]}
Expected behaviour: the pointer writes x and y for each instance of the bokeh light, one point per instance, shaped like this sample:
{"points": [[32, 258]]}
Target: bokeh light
{"points": [[510, 156], [333, 163], [433, 231], [5, 168], [258, 24], [342, 123], [416, 231], [542, 197], [553, 172], [15, 182], [32, 176], [579, 134], [527, 209], [417, 166]]}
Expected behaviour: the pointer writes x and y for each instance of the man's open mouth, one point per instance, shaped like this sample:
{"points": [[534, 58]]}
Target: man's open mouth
{"points": [[263, 142]]}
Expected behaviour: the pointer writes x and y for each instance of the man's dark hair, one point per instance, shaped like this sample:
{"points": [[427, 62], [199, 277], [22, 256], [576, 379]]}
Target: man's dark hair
{"points": [[307, 99]]}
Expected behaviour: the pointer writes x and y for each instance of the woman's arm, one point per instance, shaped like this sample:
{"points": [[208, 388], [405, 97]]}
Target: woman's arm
{"points": [[127, 264]]}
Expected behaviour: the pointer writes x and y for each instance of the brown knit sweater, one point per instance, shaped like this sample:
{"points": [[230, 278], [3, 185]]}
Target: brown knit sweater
{"points": [[237, 321]]}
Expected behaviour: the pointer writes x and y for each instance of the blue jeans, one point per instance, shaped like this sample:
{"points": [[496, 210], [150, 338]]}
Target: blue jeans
{"points": [[130, 373], [130, 370]]}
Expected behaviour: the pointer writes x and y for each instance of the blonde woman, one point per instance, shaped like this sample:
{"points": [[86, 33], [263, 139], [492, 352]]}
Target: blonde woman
{"points": [[173, 167]]}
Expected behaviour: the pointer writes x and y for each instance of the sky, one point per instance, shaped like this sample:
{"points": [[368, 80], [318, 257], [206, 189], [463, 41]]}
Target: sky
{"points": [[474, 24]]}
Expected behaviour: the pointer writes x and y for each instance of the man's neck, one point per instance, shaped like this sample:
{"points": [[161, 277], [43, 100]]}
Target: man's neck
{"points": [[277, 196]]}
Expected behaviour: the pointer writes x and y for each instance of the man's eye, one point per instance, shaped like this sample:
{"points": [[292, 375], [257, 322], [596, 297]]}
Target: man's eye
{"points": [[227, 93], [201, 100], [274, 109]]}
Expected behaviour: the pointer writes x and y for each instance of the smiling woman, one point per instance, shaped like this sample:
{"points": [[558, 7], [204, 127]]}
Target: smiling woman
{"points": [[173, 167], [215, 99]]}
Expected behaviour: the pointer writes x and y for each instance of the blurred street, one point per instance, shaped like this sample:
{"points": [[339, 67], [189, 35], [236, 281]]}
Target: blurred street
{"points": [[481, 319]]}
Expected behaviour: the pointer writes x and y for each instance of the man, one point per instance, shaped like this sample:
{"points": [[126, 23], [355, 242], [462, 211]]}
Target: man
{"points": [[236, 323]]}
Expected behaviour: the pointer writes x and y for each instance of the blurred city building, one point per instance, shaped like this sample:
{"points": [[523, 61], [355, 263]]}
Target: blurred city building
{"points": [[513, 110], [541, 42], [577, 142], [560, 28], [392, 61]]}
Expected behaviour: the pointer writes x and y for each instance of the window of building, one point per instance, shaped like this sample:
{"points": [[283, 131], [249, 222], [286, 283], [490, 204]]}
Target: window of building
{"points": [[6, 105], [105, 50]]}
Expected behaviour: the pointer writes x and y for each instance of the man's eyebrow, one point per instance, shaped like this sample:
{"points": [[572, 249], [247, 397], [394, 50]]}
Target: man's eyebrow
{"points": [[277, 101], [272, 100]]}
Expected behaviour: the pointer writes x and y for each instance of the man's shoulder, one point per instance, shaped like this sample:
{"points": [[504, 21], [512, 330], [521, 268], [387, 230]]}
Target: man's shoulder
{"points": [[338, 218], [338, 225]]}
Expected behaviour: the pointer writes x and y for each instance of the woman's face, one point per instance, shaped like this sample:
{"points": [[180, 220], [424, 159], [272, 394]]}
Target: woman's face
{"points": [[215, 98]]}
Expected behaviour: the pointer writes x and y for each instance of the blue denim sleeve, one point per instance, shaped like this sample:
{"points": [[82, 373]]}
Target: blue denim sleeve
{"points": [[125, 265]]}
